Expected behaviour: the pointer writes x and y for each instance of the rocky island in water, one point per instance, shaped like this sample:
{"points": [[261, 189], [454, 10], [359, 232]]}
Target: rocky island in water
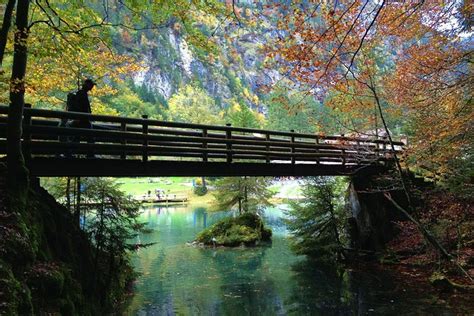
{"points": [[246, 229]]}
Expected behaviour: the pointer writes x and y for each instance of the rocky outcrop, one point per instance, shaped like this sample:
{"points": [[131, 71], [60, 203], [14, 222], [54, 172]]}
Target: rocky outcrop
{"points": [[47, 263], [169, 63], [371, 215]]}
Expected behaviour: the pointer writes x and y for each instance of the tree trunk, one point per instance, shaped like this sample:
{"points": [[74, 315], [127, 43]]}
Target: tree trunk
{"points": [[336, 233], [68, 193], [74, 192], [7, 21], [99, 241], [77, 210], [397, 162], [17, 171], [429, 237], [203, 179], [246, 201]]}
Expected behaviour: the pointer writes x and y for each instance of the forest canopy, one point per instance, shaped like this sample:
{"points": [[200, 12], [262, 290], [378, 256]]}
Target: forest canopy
{"points": [[409, 61], [345, 67]]}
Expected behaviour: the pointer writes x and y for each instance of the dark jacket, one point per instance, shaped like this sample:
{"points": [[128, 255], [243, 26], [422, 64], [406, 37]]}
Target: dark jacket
{"points": [[83, 103]]}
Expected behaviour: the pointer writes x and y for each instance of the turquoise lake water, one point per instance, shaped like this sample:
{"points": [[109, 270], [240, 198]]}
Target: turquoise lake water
{"points": [[177, 279]]}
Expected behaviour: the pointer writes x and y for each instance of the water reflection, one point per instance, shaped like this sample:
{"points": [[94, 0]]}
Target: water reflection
{"points": [[271, 280]]}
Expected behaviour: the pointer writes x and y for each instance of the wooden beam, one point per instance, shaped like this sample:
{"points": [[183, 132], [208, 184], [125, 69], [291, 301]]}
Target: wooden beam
{"points": [[54, 167]]}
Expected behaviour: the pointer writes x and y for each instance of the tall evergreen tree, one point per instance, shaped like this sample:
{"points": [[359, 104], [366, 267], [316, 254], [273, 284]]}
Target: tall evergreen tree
{"points": [[249, 194], [317, 222]]}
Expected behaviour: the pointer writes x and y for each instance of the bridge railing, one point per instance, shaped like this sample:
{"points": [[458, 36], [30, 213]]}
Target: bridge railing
{"points": [[115, 137]]}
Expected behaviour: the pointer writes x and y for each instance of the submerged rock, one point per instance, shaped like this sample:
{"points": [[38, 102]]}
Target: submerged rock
{"points": [[247, 229]]}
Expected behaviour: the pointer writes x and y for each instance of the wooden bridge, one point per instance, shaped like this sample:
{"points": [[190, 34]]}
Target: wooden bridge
{"points": [[144, 147]]}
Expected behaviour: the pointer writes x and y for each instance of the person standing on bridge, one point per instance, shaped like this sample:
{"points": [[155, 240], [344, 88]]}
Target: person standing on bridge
{"points": [[80, 103]]}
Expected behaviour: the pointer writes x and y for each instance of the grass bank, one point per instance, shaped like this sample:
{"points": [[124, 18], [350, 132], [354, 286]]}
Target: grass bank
{"points": [[183, 186]]}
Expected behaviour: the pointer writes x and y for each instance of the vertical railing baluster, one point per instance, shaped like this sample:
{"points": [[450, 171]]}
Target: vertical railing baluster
{"points": [[145, 140], [228, 134], [123, 128], [403, 147], [27, 133], [267, 147], [343, 151], [384, 152], [204, 144], [317, 150], [358, 152], [293, 160], [343, 156]]}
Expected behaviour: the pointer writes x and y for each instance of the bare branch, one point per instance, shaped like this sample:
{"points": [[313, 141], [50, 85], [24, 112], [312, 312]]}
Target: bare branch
{"points": [[235, 13], [365, 34]]}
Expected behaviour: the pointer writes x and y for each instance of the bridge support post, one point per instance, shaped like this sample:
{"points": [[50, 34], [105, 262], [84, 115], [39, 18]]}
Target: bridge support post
{"points": [[370, 215], [145, 140], [228, 135]]}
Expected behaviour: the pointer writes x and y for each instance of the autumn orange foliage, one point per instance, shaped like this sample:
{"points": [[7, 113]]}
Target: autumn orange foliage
{"points": [[450, 219], [414, 56]]}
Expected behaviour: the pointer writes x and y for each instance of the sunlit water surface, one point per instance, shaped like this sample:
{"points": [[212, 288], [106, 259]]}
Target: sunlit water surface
{"points": [[177, 279]]}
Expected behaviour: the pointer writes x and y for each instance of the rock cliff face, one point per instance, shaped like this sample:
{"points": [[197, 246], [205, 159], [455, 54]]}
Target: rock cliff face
{"points": [[170, 63], [371, 215]]}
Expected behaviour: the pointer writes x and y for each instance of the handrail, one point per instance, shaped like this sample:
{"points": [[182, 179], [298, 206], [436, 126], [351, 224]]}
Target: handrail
{"points": [[151, 122], [123, 138]]}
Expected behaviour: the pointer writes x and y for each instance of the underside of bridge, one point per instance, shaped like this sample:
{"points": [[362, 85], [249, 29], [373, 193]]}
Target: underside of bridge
{"points": [[59, 167]]}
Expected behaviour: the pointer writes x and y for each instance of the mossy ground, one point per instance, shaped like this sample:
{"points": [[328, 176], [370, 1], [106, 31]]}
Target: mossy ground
{"points": [[247, 229]]}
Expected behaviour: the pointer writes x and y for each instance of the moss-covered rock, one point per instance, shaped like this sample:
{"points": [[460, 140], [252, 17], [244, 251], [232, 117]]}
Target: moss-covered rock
{"points": [[247, 229], [11, 292], [46, 279], [47, 263]]}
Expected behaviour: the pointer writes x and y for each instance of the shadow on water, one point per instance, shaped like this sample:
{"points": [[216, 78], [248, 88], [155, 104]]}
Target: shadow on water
{"points": [[324, 289], [177, 279]]}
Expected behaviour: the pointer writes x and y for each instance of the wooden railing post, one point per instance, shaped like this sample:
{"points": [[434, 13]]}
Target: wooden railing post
{"points": [[228, 135], [343, 152], [27, 133], [145, 141], [123, 128], [404, 152], [204, 144], [343, 156], [358, 152], [267, 138], [293, 160], [317, 150]]}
